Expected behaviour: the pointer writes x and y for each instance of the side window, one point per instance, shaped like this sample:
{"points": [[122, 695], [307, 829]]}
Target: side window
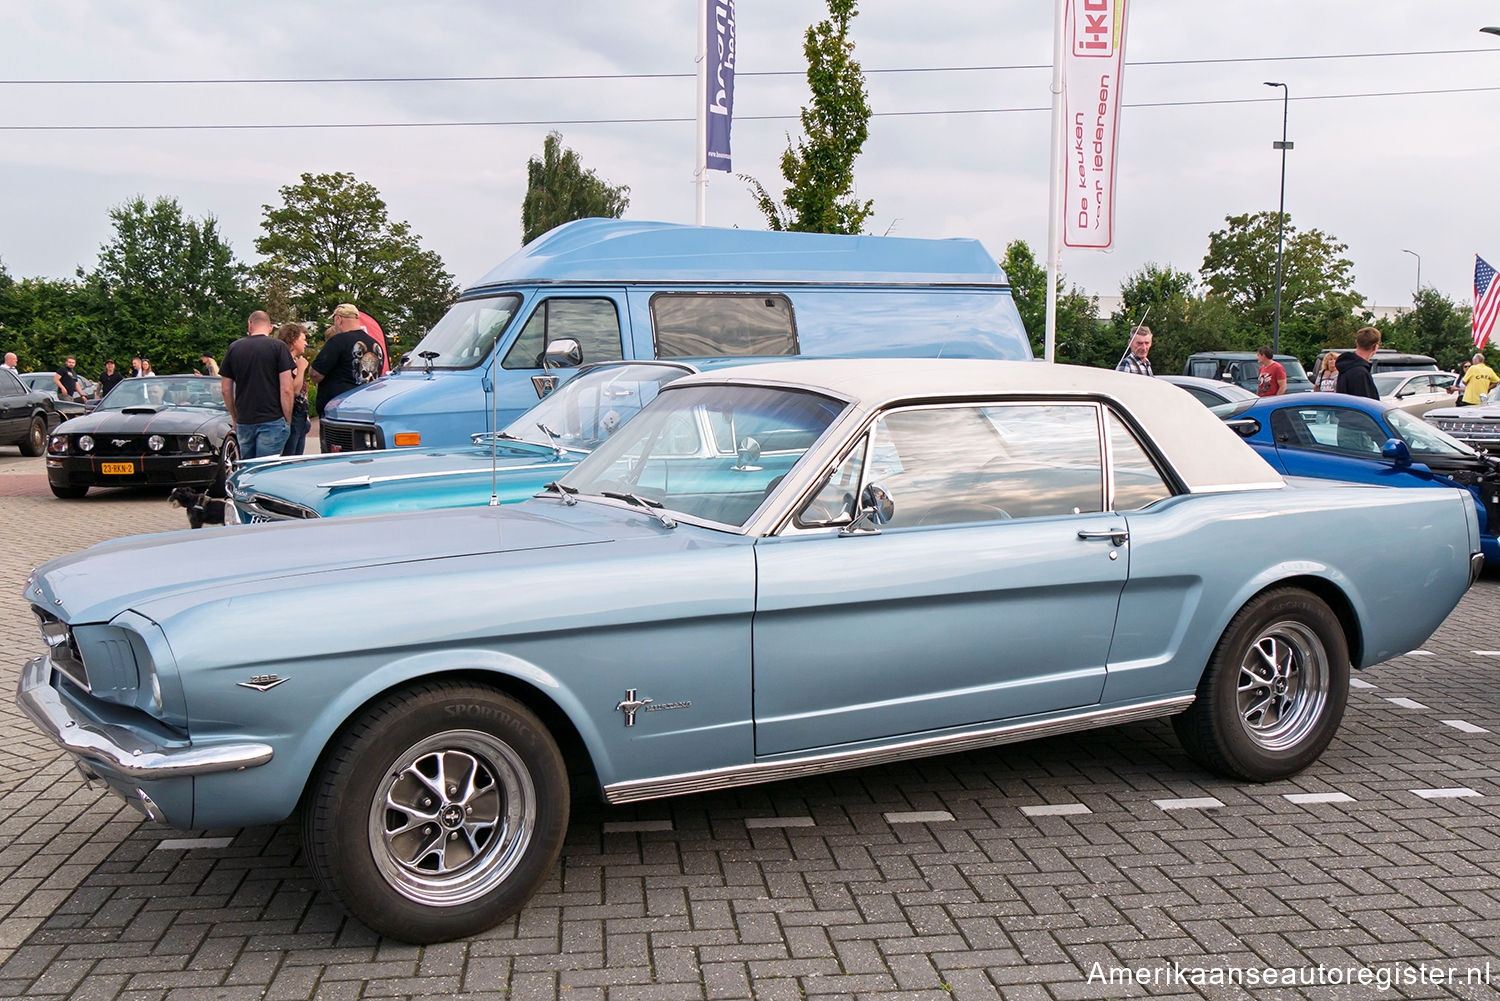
{"points": [[593, 323], [1137, 480], [10, 385], [713, 324], [955, 465], [834, 504], [1205, 369], [1443, 381], [1328, 429]]}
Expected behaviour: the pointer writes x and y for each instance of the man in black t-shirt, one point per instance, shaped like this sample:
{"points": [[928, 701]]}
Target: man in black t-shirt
{"points": [[66, 380], [109, 380], [256, 377], [350, 358]]}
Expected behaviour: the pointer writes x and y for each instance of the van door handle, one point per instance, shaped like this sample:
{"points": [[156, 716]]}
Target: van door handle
{"points": [[1118, 536]]}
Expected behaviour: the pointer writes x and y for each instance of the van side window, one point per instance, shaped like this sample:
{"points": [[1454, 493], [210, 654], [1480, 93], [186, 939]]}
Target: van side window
{"points": [[712, 324], [593, 323]]}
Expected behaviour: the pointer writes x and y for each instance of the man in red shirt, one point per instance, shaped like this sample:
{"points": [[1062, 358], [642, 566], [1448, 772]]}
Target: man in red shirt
{"points": [[1272, 375]]}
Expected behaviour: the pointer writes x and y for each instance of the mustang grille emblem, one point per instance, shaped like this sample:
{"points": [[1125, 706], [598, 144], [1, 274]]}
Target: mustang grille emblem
{"points": [[119, 442], [263, 682]]}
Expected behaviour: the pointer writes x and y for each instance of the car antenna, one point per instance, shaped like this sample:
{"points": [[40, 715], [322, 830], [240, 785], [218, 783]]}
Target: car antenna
{"points": [[494, 396]]}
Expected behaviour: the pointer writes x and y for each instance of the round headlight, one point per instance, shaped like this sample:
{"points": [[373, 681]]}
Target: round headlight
{"points": [[156, 443], [196, 443], [57, 444], [85, 443]]}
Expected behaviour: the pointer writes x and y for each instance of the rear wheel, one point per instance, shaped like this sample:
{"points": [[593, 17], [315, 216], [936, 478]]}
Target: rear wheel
{"points": [[1274, 691], [438, 812], [35, 442]]}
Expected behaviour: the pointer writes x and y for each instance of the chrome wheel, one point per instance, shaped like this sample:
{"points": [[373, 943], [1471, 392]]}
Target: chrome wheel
{"points": [[454, 818], [1283, 685]]}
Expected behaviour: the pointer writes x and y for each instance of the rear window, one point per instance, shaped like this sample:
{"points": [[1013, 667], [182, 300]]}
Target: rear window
{"points": [[719, 324]]}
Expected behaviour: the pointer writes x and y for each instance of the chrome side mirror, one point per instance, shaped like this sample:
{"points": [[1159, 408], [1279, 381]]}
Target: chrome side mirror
{"points": [[876, 508], [749, 452], [562, 353], [1395, 452]]}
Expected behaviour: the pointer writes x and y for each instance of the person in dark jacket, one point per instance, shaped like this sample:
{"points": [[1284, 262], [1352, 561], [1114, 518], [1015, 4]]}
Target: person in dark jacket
{"points": [[1354, 366]]}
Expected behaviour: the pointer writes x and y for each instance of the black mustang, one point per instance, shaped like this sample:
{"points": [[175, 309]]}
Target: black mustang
{"points": [[154, 431]]}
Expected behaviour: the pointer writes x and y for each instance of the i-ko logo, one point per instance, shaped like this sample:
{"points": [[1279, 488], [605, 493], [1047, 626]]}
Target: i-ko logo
{"points": [[1094, 28]]}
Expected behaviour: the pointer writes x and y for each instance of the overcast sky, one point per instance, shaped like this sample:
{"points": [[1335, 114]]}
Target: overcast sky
{"points": [[1381, 174]]}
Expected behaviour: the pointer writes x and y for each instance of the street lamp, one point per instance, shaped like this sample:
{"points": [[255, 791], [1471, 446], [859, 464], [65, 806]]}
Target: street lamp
{"points": [[1419, 267], [1283, 145]]}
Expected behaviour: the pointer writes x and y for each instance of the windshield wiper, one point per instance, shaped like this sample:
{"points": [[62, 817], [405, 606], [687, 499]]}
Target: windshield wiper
{"points": [[564, 492], [644, 503]]}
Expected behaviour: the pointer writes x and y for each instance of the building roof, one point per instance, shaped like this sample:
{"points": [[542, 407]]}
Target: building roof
{"points": [[1205, 454], [616, 250]]}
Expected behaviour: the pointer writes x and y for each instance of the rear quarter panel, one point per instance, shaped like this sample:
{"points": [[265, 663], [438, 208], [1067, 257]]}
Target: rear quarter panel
{"points": [[1399, 558]]}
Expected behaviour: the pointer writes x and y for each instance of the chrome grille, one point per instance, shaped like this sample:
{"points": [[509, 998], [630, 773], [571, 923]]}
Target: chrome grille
{"points": [[277, 509], [129, 444], [62, 647]]}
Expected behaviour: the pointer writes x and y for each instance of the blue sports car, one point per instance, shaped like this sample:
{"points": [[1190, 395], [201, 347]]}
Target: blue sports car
{"points": [[1332, 436], [771, 571]]}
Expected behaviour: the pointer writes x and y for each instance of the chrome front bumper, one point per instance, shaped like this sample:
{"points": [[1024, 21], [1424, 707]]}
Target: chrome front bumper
{"points": [[118, 748]]}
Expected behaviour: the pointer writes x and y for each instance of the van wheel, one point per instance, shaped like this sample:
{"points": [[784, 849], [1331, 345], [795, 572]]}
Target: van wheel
{"points": [[1274, 691], [438, 812]]}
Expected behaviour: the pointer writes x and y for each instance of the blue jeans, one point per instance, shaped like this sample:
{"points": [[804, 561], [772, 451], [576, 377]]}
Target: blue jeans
{"points": [[296, 441], [262, 439]]}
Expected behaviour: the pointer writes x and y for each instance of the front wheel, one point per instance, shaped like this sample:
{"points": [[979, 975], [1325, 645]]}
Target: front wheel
{"points": [[1274, 691], [35, 442], [438, 812]]}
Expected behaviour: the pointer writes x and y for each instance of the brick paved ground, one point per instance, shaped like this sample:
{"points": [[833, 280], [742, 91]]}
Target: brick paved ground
{"points": [[852, 886]]}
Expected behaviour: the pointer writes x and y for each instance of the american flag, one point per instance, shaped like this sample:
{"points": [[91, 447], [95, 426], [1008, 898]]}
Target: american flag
{"points": [[1486, 301]]}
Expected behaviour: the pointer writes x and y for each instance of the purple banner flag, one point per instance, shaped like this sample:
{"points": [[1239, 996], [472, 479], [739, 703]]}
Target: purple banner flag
{"points": [[720, 96]]}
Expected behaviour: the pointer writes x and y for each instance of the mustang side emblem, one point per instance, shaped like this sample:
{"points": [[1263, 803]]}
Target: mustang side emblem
{"points": [[263, 682], [631, 706]]}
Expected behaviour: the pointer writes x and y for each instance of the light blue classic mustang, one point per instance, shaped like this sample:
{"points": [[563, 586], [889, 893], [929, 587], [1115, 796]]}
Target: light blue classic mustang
{"points": [[539, 446], [891, 559]]}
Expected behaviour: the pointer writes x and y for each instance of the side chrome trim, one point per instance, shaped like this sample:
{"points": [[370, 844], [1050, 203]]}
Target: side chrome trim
{"points": [[775, 771], [117, 747]]}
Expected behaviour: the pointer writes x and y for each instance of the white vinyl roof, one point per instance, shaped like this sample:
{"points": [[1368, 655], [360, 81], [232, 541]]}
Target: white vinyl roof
{"points": [[1203, 451]]}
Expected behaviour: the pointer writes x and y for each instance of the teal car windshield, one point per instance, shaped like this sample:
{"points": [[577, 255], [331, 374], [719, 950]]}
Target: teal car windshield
{"points": [[708, 452], [588, 408], [465, 335]]}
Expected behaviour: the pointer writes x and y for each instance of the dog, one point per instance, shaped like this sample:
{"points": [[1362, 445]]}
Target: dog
{"points": [[204, 507]]}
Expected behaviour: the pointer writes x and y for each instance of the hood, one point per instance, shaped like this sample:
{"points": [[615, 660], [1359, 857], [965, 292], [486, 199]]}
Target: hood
{"points": [[98, 583], [402, 479], [1349, 360], [146, 420], [405, 393], [1489, 412]]}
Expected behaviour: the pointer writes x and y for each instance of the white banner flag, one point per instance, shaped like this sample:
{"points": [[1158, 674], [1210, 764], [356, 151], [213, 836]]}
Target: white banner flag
{"points": [[1091, 114]]}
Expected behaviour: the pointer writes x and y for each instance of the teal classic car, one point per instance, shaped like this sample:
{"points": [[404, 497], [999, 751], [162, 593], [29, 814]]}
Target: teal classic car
{"points": [[892, 558], [539, 446]]}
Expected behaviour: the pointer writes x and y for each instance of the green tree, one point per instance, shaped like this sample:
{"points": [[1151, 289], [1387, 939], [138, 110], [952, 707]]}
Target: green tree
{"points": [[1079, 338], [45, 320], [332, 240], [1436, 326], [1318, 300], [559, 190], [1181, 321], [168, 287], [819, 170]]}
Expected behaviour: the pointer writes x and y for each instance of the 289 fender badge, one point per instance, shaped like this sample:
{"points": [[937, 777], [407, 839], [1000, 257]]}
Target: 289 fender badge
{"points": [[263, 682]]}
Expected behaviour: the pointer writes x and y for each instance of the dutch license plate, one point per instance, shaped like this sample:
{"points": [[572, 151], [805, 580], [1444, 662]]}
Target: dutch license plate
{"points": [[117, 468]]}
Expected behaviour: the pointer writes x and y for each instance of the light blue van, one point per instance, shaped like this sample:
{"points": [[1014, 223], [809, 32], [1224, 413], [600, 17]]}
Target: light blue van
{"points": [[606, 289]]}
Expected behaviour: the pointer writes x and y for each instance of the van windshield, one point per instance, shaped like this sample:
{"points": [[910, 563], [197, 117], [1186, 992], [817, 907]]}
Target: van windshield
{"points": [[466, 334]]}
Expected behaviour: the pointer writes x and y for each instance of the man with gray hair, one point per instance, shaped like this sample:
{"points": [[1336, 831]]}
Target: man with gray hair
{"points": [[1477, 381], [10, 362], [1135, 360]]}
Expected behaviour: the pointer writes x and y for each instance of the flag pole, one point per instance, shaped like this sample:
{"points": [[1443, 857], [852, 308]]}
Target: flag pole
{"points": [[1054, 185], [700, 173]]}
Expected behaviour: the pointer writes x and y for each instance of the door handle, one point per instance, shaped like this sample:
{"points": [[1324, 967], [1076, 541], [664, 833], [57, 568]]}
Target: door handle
{"points": [[1118, 536]]}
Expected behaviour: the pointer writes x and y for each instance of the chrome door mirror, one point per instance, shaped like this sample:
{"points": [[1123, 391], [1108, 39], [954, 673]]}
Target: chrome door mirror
{"points": [[749, 452], [564, 352], [876, 508], [1395, 452]]}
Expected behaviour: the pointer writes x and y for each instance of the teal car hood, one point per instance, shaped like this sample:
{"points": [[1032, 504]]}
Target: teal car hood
{"points": [[97, 583], [403, 479]]}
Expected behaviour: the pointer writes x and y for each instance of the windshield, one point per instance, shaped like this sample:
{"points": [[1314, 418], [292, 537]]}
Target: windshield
{"points": [[709, 452], [1386, 385], [1293, 368], [465, 335], [1423, 437], [165, 391], [589, 407]]}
